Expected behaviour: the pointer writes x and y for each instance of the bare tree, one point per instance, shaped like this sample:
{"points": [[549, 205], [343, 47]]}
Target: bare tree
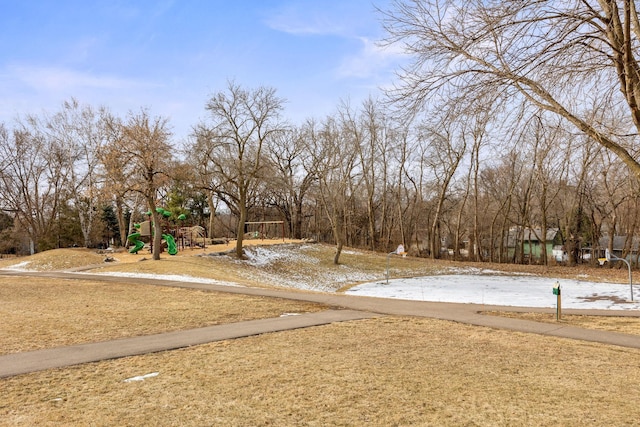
{"points": [[369, 129], [480, 135], [241, 124], [550, 168], [334, 157], [556, 55], [144, 143], [445, 151], [473, 133], [76, 133], [571, 214], [294, 175], [401, 189], [200, 154], [31, 180], [610, 193], [116, 174]]}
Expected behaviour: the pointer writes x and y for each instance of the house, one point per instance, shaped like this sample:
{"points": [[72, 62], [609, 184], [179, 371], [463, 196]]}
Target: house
{"points": [[530, 240], [618, 248]]}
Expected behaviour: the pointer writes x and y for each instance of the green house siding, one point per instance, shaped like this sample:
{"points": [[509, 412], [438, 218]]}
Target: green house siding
{"points": [[532, 246], [534, 249]]}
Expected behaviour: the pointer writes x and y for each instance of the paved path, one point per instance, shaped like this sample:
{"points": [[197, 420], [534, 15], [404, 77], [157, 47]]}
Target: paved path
{"points": [[345, 307], [22, 363]]}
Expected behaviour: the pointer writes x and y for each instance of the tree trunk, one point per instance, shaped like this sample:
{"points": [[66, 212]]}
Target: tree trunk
{"points": [[242, 219], [122, 227], [336, 258], [477, 246], [372, 222], [212, 214], [156, 229], [130, 227]]}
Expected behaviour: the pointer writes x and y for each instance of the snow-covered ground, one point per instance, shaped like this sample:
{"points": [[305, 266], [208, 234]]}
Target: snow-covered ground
{"points": [[520, 291], [452, 284], [458, 284], [481, 287], [21, 266], [174, 277], [311, 278]]}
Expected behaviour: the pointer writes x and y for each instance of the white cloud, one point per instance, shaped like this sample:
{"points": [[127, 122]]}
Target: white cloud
{"points": [[370, 60], [26, 89], [57, 79], [291, 24], [311, 18]]}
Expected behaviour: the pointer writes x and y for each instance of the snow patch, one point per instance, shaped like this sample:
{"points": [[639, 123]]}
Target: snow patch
{"points": [[518, 291], [172, 277], [351, 252], [21, 266], [264, 257], [141, 377], [260, 256], [481, 271]]}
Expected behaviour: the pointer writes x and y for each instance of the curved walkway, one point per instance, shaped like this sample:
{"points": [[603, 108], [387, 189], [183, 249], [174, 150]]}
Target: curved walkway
{"points": [[344, 308]]}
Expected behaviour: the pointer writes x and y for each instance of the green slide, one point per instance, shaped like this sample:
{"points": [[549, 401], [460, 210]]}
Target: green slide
{"points": [[172, 249], [138, 244]]}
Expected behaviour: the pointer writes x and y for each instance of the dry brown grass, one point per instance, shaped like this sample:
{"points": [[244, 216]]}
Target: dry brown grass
{"points": [[41, 313], [625, 325], [59, 259], [313, 263], [380, 372]]}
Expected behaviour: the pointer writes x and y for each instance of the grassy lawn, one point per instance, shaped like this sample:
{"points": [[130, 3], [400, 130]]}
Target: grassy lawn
{"points": [[625, 325], [389, 371], [382, 372], [42, 313]]}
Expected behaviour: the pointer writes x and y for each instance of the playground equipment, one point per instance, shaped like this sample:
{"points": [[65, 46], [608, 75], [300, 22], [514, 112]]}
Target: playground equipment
{"points": [[137, 244], [190, 236], [265, 228], [145, 229], [172, 249]]}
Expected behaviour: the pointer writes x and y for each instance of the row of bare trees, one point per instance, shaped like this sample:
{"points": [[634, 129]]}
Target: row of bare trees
{"points": [[360, 177], [457, 182], [463, 177], [58, 171]]}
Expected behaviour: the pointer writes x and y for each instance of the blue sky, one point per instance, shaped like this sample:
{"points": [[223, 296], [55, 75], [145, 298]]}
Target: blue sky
{"points": [[170, 56]]}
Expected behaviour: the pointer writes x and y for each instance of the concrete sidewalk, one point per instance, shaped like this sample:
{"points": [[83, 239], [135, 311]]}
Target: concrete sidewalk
{"points": [[351, 308], [32, 361], [464, 313]]}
